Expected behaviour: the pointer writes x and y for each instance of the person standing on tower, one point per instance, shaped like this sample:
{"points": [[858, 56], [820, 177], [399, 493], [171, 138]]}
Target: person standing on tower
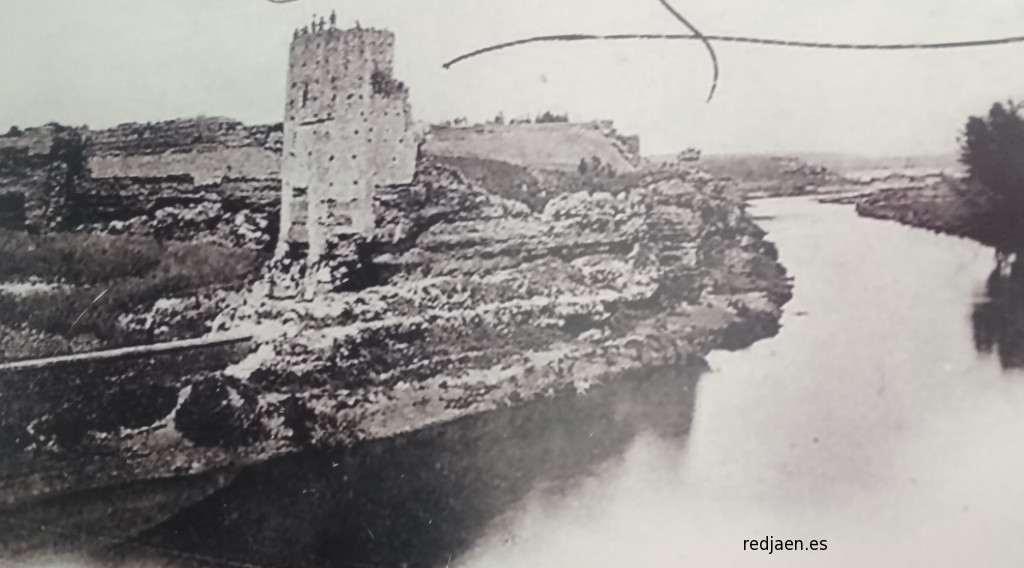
{"points": [[334, 19]]}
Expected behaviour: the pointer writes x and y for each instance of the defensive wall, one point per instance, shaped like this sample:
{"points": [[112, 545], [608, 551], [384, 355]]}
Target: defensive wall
{"points": [[207, 149]]}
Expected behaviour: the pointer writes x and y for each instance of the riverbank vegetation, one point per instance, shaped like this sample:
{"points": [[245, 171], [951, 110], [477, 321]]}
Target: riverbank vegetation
{"points": [[992, 148], [986, 206]]}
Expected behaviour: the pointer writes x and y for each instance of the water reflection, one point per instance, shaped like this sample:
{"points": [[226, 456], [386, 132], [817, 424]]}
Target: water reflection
{"points": [[869, 421], [420, 499], [998, 318], [69, 523]]}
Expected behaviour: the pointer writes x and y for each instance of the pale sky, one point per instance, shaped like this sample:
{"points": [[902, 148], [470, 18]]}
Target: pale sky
{"points": [[103, 62]]}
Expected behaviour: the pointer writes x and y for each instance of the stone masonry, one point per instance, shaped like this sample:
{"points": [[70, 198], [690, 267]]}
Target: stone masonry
{"points": [[347, 130]]}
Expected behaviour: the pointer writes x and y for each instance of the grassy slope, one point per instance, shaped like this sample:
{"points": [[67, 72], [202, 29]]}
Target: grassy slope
{"points": [[550, 146], [84, 283]]}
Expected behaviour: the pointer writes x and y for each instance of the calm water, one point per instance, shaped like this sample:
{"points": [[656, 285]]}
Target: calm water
{"points": [[876, 420], [886, 417]]}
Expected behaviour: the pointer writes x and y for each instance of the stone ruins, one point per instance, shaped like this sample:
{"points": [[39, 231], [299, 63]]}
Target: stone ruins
{"points": [[347, 130]]}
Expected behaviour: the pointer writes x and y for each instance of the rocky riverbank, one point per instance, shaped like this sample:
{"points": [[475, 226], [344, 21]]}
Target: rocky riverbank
{"points": [[467, 302]]}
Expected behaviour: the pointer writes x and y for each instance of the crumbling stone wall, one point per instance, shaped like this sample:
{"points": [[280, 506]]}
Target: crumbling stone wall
{"points": [[175, 180], [236, 212], [207, 149], [204, 166], [38, 168]]}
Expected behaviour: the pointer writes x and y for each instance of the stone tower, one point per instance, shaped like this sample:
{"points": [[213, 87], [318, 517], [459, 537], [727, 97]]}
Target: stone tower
{"points": [[347, 130]]}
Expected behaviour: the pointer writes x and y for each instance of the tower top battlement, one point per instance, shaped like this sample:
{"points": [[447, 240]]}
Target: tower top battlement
{"points": [[318, 29], [353, 36]]}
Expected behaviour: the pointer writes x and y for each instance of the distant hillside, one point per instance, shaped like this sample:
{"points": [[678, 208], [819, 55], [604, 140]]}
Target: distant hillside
{"points": [[558, 146], [835, 161], [765, 174], [845, 163]]}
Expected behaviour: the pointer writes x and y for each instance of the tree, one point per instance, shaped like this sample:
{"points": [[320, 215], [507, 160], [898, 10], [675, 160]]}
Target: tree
{"points": [[992, 148]]}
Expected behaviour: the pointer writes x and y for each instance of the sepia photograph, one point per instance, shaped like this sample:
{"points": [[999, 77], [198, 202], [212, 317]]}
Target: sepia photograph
{"points": [[531, 284]]}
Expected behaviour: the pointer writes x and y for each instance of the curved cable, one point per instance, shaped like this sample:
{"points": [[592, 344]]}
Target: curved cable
{"points": [[739, 39], [707, 45]]}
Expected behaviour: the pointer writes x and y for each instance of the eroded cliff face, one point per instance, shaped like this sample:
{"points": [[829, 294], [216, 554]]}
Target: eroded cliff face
{"points": [[494, 305], [466, 302]]}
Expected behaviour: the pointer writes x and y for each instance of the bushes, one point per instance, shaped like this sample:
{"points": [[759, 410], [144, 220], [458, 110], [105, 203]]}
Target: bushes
{"points": [[385, 85], [32, 343], [55, 311], [76, 259], [191, 266], [548, 116], [82, 260], [108, 277], [219, 413], [499, 178], [300, 419], [85, 408]]}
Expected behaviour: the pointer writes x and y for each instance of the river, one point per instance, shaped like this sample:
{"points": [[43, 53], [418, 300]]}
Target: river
{"points": [[886, 418], [871, 420]]}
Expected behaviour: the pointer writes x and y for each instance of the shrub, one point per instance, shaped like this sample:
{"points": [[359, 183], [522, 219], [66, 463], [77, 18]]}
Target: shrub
{"points": [[219, 413], [385, 85], [84, 407], [548, 116], [499, 178], [299, 419], [74, 258]]}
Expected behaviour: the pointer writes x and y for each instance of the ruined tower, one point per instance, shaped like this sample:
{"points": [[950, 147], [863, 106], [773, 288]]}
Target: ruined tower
{"points": [[347, 130]]}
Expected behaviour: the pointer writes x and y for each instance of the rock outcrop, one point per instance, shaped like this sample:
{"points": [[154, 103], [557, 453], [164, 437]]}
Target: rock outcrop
{"points": [[465, 302]]}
